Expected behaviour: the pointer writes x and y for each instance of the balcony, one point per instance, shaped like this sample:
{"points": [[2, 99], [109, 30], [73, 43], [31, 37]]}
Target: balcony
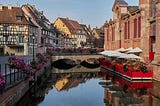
{"points": [[7, 42]]}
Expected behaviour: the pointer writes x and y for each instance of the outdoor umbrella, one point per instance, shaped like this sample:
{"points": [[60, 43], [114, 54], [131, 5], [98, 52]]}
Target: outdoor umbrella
{"points": [[135, 50], [129, 49], [120, 50]]}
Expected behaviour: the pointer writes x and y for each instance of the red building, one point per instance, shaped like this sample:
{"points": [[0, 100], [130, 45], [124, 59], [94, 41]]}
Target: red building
{"points": [[134, 26]]}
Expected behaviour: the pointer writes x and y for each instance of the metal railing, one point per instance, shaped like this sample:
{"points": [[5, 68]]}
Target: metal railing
{"points": [[13, 76]]}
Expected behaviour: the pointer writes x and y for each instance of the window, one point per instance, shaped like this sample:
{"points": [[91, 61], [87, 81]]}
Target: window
{"points": [[107, 34], [135, 28], [21, 28], [125, 30], [5, 38], [19, 50], [113, 37], [19, 18], [139, 27], [21, 39], [153, 29], [5, 28], [128, 29]]}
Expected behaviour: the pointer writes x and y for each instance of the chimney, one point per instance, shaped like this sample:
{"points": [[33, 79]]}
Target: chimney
{"points": [[1, 7], [9, 7]]}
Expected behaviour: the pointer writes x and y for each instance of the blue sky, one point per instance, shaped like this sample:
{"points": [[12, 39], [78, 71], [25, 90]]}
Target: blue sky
{"points": [[93, 12]]}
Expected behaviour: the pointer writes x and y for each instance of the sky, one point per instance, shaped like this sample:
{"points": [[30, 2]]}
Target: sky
{"points": [[93, 12]]}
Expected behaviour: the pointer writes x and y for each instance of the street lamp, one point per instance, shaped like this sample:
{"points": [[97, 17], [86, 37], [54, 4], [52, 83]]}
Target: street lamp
{"points": [[33, 38]]}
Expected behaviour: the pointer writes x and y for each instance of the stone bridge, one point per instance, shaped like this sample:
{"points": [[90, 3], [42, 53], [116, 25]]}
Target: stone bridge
{"points": [[76, 57]]}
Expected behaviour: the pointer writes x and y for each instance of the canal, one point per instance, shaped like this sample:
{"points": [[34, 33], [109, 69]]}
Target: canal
{"points": [[80, 86]]}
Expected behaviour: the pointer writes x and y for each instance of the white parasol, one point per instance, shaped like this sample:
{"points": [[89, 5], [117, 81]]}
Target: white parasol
{"points": [[135, 50], [120, 50]]}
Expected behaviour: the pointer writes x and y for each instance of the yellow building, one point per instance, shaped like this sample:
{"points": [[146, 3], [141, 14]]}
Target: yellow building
{"points": [[72, 31]]}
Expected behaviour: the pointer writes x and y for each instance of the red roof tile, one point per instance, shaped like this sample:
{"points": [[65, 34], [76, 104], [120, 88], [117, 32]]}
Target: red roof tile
{"points": [[73, 26], [9, 15]]}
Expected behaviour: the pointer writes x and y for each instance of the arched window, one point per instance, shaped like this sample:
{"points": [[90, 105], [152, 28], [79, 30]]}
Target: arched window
{"points": [[113, 37], [135, 28], [139, 27], [125, 30], [128, 29]]}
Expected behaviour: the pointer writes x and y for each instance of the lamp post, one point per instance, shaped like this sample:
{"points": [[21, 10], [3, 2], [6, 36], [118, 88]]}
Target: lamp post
{"points": [[33, 38]]}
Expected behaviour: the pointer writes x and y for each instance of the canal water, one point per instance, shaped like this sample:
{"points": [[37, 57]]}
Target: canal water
{"points": [[82, 86]]}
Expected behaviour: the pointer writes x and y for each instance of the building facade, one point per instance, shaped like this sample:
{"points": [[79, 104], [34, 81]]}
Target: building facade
{"points": [[46, 36], [16, 31], [134, 26], [71, 32], [98, 34]]}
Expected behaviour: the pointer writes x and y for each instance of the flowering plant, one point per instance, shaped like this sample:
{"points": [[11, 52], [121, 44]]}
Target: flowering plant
{"points": [[49, 51], [41, 58], [2, 82], [57, 49], [15, 62], [70, 50], [28, 70], [79, 49], [35, 65], [89, 49]]}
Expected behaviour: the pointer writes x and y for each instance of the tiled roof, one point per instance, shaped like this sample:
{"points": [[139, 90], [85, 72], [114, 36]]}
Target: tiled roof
{"points": [[38, 16], [99, 32], [132, 8], [119, 2], [9, 16], [86, 29], [122, 2], [73, 26]]}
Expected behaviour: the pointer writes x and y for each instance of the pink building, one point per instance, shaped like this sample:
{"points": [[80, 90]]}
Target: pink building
{"points": [[135, 26]]}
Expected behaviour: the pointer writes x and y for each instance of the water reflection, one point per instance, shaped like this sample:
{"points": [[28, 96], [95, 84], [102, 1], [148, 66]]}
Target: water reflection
{"points": [[67, 88], [91, 87], [139, 93]]}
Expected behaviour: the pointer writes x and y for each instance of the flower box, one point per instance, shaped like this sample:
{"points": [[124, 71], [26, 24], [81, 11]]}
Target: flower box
{"points": [[142, 74]]}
